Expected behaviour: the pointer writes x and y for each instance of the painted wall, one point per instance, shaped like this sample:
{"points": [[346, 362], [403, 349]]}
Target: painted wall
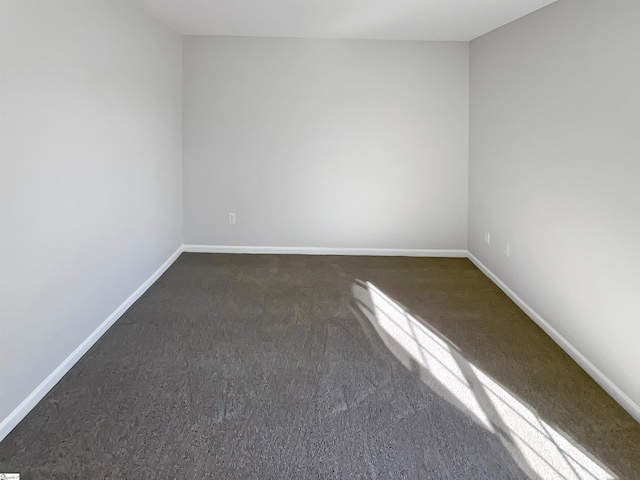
{"points": [[90, 173], [555, 172], [325, 143]]}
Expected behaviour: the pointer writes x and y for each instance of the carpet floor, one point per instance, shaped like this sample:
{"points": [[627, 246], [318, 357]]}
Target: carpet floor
{"points": [[305, 367]]}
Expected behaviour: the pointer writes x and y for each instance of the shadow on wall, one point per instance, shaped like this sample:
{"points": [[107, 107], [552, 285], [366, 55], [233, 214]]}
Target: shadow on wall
{"points": [[540, 450]]}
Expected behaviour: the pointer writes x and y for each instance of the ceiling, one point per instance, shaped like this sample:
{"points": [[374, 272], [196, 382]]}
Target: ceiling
{"points": [[436, 20]]}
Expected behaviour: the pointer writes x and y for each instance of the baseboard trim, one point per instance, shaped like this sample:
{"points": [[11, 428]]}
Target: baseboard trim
{"points": [[377, 252], [54, 377], [611, 388], [21, 411]]}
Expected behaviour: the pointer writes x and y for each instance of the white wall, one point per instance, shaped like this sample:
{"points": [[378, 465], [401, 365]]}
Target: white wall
{"points": [[555, 171], [91, 182], [325, 143]]}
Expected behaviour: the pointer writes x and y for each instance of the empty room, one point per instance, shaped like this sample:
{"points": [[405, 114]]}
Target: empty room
{"points": [[308, 239]]}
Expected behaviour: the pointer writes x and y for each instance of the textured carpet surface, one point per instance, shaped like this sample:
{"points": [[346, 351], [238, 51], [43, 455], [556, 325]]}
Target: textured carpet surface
{"points": [[303, 367]]}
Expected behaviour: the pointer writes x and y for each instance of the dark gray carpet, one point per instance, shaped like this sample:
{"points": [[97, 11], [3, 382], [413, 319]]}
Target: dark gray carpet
{"points": [[268, 367]]}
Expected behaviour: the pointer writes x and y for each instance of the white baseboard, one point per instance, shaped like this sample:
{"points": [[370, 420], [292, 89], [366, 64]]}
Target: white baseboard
{"points": [[378, 252], [611, 388], [41, 390], [54, 377]]}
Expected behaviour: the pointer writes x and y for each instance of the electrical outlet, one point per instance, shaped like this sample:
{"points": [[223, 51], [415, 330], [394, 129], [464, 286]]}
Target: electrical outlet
{"points": [[232, 218], [506, 251], [487, 238]]}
